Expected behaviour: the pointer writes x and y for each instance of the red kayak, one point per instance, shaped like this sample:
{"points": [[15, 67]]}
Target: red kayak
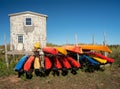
{"points": [[50, 50], [101, 56], [57, 63], [48, 63], [64, 62], [73, 62], [28, 63]]}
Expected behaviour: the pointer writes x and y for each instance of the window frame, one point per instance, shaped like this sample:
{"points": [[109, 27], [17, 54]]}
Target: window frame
{"points": [[28, 21], [20, 38]]}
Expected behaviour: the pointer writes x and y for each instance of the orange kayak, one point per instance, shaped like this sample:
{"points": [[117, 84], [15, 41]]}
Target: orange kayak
{"points": [[95, 47], [75, 49]]}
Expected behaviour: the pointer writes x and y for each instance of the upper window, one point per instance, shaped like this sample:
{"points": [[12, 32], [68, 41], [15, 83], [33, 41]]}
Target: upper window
{"points": [[20, 39], [28, 21]]}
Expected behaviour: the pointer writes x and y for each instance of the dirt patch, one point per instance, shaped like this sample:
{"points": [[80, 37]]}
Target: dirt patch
{"points": [[11, 78], [14, 79]]}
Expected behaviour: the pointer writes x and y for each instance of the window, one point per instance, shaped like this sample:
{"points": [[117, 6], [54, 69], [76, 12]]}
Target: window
{"points": [[28, 21], [20, 39]]}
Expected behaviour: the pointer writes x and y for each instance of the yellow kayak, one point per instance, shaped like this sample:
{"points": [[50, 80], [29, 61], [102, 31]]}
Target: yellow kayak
{"points": [[100, 60], [95, 47], [37, 63], [62, 50]]}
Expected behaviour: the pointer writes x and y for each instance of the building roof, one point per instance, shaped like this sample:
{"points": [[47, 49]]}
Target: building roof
{"points": [[27, 12]]}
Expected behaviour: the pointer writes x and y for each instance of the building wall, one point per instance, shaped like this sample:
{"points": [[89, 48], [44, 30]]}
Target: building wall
{"points": [[31, 34]]}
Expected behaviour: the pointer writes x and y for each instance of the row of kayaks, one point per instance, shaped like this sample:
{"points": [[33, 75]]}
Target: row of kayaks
{"points": [[51, 63], [60, 58]]}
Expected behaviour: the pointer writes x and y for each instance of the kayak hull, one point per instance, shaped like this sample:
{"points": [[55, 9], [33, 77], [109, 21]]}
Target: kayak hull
{"points": [[20, 63], [92, 61], [73, 62], [50, 50], [95, 47], [64, 62], [110, 60], [48, 63], [37, 63], [28, 63], [102, 61]]}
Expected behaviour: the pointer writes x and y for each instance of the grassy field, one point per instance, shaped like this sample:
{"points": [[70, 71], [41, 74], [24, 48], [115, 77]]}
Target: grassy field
{"points": [[107, 79]]}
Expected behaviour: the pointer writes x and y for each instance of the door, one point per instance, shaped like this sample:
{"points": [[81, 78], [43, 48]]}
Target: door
{"points": [[20, 42]]}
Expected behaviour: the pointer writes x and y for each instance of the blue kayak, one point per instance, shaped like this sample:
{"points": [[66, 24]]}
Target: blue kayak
{"points": [[20, 63], [92, 61]]}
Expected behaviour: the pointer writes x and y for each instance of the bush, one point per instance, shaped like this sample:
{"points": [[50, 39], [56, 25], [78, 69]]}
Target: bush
{"points": [[115, 54]]}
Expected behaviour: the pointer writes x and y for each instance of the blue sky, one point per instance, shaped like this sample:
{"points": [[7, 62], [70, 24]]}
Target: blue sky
{"points": [[69, 17]]}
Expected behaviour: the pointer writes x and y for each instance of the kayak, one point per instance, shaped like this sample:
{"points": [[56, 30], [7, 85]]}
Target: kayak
{"points": [[73, 62], [95, 47], [20, 63], [61, 50], [37, 66], [101, 56], [56, 65], [64, 62], [37, 63], [50, 50], [48, 63], [92, 61], [75, 49], [28, 63], [103, 61]]}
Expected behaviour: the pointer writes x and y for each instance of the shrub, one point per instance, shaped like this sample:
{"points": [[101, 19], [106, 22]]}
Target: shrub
{"points": [[115, 53]]}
